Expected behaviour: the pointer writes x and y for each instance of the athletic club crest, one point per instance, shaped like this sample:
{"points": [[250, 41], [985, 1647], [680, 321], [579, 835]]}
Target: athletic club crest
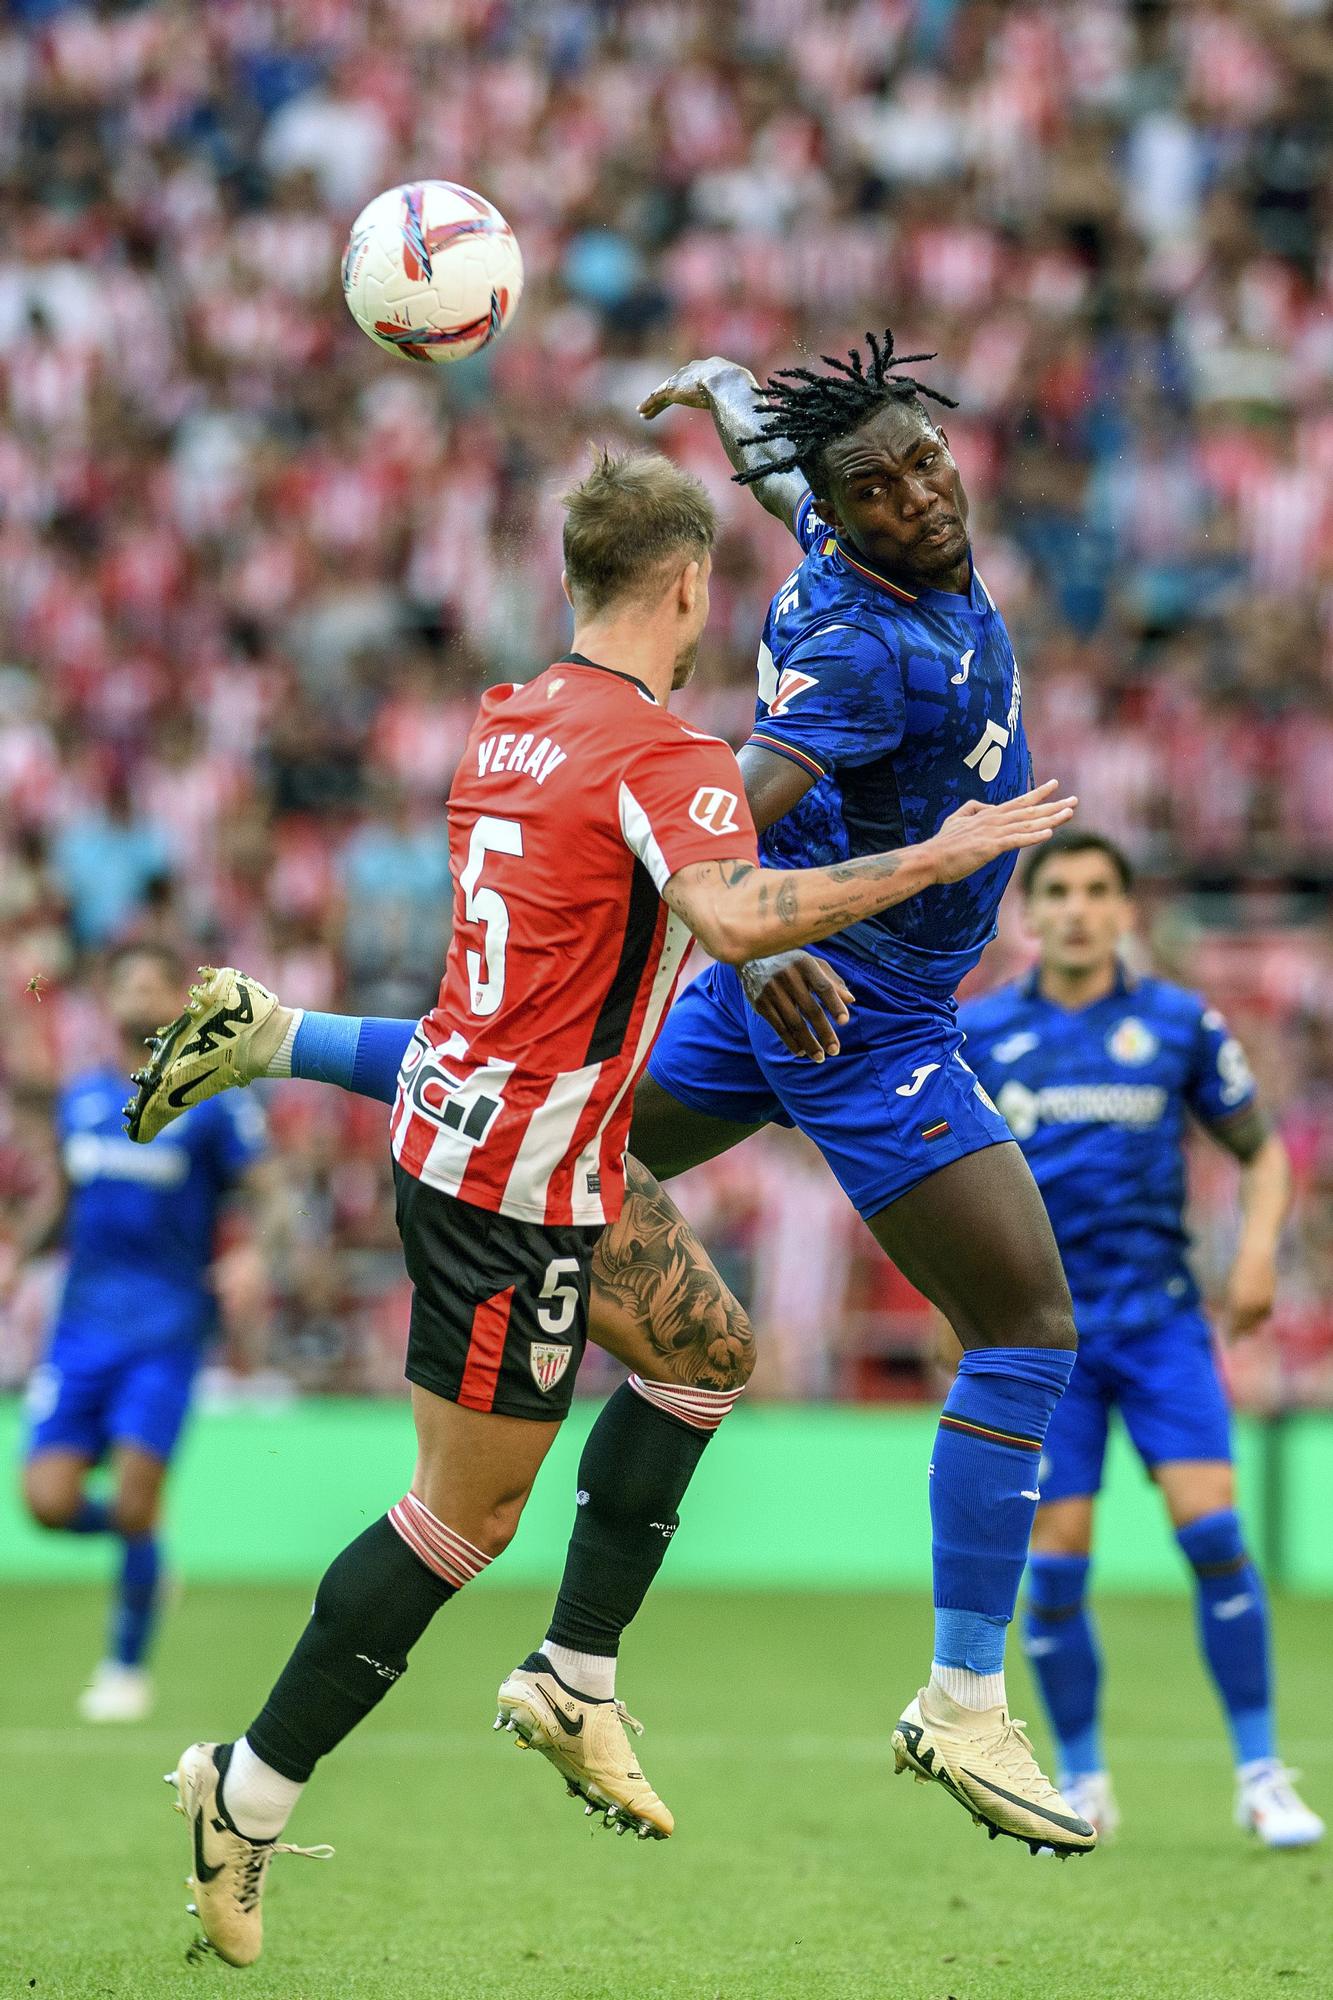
{"points": [[548, 1362]]}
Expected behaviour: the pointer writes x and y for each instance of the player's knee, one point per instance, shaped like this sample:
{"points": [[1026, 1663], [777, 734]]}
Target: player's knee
{"points": [[134, 1515], [48, 1505], [729, 1356], [495, 1530], [1050, 1320], [1062, 1529], [488, 1524]]}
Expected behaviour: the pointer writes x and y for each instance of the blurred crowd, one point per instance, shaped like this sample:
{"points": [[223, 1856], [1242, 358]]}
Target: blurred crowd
{"points": [[253, 572]]}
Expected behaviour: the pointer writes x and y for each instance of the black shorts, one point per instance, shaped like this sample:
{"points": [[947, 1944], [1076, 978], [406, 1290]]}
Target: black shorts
{"points": [[499, 1307]]}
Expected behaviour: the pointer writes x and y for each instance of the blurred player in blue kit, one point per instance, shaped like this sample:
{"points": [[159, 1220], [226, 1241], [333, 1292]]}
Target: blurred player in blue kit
{"points": [[135, 1315], [1099, 1075]]}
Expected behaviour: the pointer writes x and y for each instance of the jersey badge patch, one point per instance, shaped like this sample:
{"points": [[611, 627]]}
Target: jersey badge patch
{"points": [[1132, 1043], [790, 684], [548, 1361], [714, 810]]}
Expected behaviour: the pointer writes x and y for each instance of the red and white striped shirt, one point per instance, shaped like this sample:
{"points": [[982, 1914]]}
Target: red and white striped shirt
{"points": [[576, 799]]}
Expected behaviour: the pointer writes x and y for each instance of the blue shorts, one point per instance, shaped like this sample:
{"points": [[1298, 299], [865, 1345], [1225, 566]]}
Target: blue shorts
{"points": [[83, 1401], [896, 1104], [1166, 1386]]}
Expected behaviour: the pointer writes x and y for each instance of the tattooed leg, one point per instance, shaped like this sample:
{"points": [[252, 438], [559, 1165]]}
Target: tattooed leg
{"points": [[659, 1306], [657, 1302]]}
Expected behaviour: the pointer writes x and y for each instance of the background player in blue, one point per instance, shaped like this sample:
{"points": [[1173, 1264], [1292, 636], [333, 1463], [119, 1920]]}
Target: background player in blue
{"points": [[889, 701], [135, 1316], [1099, 1074]]}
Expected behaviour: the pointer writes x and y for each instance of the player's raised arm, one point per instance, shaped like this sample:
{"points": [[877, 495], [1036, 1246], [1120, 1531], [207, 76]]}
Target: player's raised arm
{"points": [[738, 911], [729, 393]]}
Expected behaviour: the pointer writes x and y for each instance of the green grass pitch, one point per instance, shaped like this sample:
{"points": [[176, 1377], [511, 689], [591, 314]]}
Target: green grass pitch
{"points": [[801, 1866]]}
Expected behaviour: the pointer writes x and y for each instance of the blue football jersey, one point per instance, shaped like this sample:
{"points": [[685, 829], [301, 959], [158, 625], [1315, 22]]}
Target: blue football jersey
{"points": [[901, 707], [141, 1220], [1097, 1098]]}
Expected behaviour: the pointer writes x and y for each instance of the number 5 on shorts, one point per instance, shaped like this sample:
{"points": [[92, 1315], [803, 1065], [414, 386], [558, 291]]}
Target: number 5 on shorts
{"points": [[558, 1300]]}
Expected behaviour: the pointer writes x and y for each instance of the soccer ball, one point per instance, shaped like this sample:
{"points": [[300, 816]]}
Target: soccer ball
{"points": [[431, 271]]}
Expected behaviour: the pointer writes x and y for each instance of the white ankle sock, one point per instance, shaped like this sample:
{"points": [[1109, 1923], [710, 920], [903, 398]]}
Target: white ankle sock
{"points": [[257, 1798], [593, 1674], [280, 1062], [969, 1690]]}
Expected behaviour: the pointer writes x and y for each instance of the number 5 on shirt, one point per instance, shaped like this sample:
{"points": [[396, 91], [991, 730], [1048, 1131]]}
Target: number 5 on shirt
{"points": [[488, 908]]}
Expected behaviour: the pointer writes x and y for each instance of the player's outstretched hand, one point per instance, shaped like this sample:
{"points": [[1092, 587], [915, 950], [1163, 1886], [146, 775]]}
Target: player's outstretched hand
{"points": [[689, 388], [802, 999], [977, 834]]}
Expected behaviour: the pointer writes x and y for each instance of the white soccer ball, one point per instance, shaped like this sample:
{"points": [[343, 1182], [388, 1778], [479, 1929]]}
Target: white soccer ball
{"points": [[431, 271]]}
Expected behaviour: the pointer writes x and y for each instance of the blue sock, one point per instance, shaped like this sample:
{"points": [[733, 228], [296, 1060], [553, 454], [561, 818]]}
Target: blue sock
{"points": [[358, 1054], [93, 1518], [1233, 1630], [134, 1613], [1061, 1646], [983, 1494]]}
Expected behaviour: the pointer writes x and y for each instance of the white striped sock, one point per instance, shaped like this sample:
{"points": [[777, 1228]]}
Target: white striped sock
{"points": [[701, 1409], [969, 1690], [280, 1062], [593, 1674], [440, 1547]]}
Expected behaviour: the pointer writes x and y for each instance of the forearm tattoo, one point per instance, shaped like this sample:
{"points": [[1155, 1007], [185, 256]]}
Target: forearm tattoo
{"points": [[651, 1266], [817, 894]]}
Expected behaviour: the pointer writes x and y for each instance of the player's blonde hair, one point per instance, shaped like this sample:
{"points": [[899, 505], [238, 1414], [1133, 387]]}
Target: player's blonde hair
{"points": [[627, 521]]}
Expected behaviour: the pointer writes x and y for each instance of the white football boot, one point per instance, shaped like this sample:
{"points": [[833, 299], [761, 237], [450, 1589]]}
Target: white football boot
{"points": [[588, 1745], [117, 1693], [1268, 1804], [983, 1759], [229, 1029], [227, 1871], [1091, 1797]]}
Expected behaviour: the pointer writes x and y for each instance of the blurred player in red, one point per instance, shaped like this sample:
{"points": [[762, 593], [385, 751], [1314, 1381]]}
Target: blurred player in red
{"points": [[591, 833]]}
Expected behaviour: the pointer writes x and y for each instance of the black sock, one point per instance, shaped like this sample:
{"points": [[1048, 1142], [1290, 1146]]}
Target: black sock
{"points": [[374, 1603], [635, 1468]]}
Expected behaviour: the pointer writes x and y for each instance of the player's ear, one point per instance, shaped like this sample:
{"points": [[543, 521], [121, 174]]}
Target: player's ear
{"points": [[564, 585], [687, 586], [827, 510]]}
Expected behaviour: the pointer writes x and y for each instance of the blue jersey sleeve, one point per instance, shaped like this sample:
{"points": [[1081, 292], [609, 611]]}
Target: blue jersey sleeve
{"points": [[1220, 1081], [839, 700], [239, 1135]]}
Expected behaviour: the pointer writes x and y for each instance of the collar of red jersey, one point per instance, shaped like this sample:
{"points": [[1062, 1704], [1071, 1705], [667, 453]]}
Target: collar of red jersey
{"points": [[616, 673]]}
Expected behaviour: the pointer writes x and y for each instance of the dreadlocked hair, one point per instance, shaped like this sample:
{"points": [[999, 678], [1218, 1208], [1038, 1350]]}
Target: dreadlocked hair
{"points": [[809, 411]]}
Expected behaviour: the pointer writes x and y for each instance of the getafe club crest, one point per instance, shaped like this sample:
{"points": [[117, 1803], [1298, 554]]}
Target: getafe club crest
{"points": [[548, 1362], [1130, 1042]]}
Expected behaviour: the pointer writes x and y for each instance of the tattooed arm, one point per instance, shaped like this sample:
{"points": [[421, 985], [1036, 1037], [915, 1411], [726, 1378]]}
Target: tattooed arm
{"points": [[738, 911], [657, 1303], [727, 391]]}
